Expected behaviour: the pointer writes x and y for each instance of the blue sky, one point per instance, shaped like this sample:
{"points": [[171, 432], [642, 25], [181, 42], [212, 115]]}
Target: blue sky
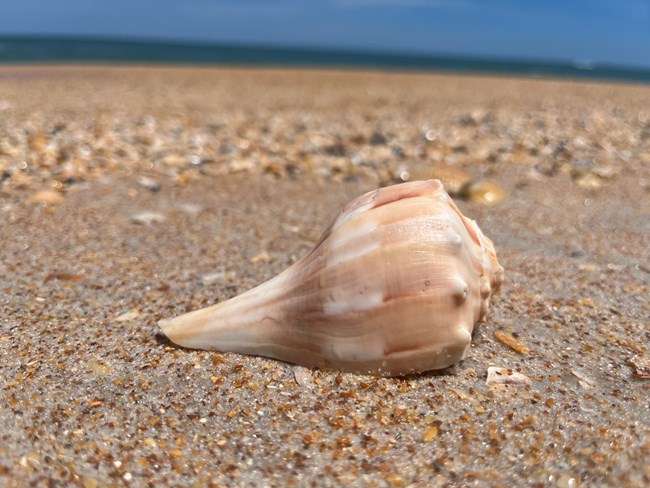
{"points": [[608, 31]]}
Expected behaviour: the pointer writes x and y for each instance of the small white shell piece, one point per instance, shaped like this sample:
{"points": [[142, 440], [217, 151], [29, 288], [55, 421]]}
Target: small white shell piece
{"points": [[395, 286]]}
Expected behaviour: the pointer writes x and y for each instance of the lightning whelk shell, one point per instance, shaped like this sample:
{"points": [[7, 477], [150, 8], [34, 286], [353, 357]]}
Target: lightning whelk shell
{"points": [[395, 285]]}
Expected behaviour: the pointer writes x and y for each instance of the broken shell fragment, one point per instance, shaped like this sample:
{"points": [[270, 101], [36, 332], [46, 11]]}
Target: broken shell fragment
{"points": [[395, 285], [484, 192], [502, 376]]}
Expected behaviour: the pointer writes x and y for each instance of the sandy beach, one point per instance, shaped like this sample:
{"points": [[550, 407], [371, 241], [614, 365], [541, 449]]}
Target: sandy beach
{"points": [[132, 194]]}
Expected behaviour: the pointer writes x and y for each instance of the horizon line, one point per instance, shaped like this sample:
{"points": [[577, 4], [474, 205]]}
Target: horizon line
{"points": [[319, 49]]}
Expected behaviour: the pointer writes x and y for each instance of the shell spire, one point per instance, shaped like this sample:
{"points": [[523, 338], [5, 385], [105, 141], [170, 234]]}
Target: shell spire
{"points": [[394, 286]]}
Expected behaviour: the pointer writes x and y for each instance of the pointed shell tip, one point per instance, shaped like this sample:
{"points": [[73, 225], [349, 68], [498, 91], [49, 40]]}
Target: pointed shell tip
{"points": [[164, 325]]}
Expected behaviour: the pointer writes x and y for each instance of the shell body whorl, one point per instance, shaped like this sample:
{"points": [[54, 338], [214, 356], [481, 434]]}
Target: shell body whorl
{"points": [[394, 286]]}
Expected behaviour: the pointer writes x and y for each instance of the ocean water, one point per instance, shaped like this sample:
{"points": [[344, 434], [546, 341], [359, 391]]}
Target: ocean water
{"points": [[88, 50]]}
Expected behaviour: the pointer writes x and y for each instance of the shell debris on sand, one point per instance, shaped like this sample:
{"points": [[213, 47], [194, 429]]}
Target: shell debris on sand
{"points": [[109, 125], [395, 285], [148, 218], [47, 197], [641, 366], [503, 376], [484, 192]]}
